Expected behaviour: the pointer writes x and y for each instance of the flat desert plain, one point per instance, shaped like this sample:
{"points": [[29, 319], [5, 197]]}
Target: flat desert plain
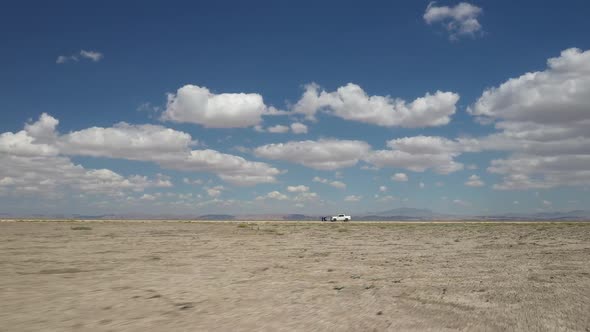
{"points": [[276, 276]]}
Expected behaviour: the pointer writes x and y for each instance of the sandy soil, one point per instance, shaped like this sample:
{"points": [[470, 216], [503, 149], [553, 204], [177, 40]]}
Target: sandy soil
{"points": [[164, 276]]}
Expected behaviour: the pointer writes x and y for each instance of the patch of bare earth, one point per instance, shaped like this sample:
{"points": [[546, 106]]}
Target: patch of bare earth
{"points": [[160, 276]]}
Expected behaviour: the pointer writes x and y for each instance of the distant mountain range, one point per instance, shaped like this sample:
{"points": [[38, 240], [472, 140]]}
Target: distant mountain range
{"points": [[398, 214]]}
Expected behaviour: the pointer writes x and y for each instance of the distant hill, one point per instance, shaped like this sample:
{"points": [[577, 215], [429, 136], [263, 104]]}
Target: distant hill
{"points": [[398, 214], [555, 215], [407, 212], [216, 217], [300, 217]]}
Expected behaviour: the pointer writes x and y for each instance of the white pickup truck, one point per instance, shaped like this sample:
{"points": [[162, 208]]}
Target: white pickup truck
{"points": [[340, 217]]}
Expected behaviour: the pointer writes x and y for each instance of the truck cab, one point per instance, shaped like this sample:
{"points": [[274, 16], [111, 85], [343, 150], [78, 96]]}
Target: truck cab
{"points": [[341, 217]]}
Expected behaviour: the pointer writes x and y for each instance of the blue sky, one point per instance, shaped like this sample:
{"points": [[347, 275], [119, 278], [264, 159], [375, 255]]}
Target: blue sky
{"points": [[171, 107]]}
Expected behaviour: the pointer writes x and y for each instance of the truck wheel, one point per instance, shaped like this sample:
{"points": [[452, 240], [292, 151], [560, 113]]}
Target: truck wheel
{"points": [[345, 219]]}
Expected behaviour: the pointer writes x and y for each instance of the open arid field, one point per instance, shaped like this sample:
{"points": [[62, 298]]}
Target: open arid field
{"points": [[277, 276]]}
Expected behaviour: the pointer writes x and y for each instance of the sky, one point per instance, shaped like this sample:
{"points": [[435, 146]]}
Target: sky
{"points": [[311, 107]]}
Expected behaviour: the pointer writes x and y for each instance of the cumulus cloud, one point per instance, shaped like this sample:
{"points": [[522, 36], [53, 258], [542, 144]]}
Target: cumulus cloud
{"points": [[541, 172], [195, 104], [351, 102], [419, 153], [460, 20], [147, 197], [298, 128], [278, 129], [324, 154], [295, 128], [192, 182], [166, 147], [297, 189], [302, 195], [543, 118], [335, 183], [306, 196], [386, 198], [214, 191], [461, 202], [382, 189], [94, 56], [66, 58], [125, 141], [274, 195], [91, 55], [399, 177], [48, 175], [230, 168], [556, 96], [352, 198], [22, 144], [474, 181]]}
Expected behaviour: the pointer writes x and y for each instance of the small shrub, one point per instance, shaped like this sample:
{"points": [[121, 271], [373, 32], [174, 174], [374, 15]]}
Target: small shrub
{"points": [[81, 228]]}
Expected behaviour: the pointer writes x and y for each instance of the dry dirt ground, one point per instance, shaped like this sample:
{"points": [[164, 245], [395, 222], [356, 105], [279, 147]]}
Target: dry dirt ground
{"points": [[214, 276]]}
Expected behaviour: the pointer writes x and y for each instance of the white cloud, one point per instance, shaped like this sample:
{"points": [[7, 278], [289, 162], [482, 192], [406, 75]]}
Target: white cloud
{"points": [[558, 95], [298, 189], [420, 153], [399, 177], [547, 203], [335, 183], [298, 128], [461, 202], [168, 148], [278, 129], [50, 175], [137, 142], [6, 181], [351, 102], [543, 119], [421, 185], [194, 104], [474, 181], [22, 144], [460, 20], [387, 198], [215, 191], [338, 184], [534, 172], [147, 197], [91, 55], [306, 196], [192, 182], [230, 168], [382, 189], [352, 198], [277, 195], [325, 154], [66, 58], [273, 195]]}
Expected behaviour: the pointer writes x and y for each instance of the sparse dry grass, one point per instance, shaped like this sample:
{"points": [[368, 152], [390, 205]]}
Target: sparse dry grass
{"points": [[163, 276]]}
